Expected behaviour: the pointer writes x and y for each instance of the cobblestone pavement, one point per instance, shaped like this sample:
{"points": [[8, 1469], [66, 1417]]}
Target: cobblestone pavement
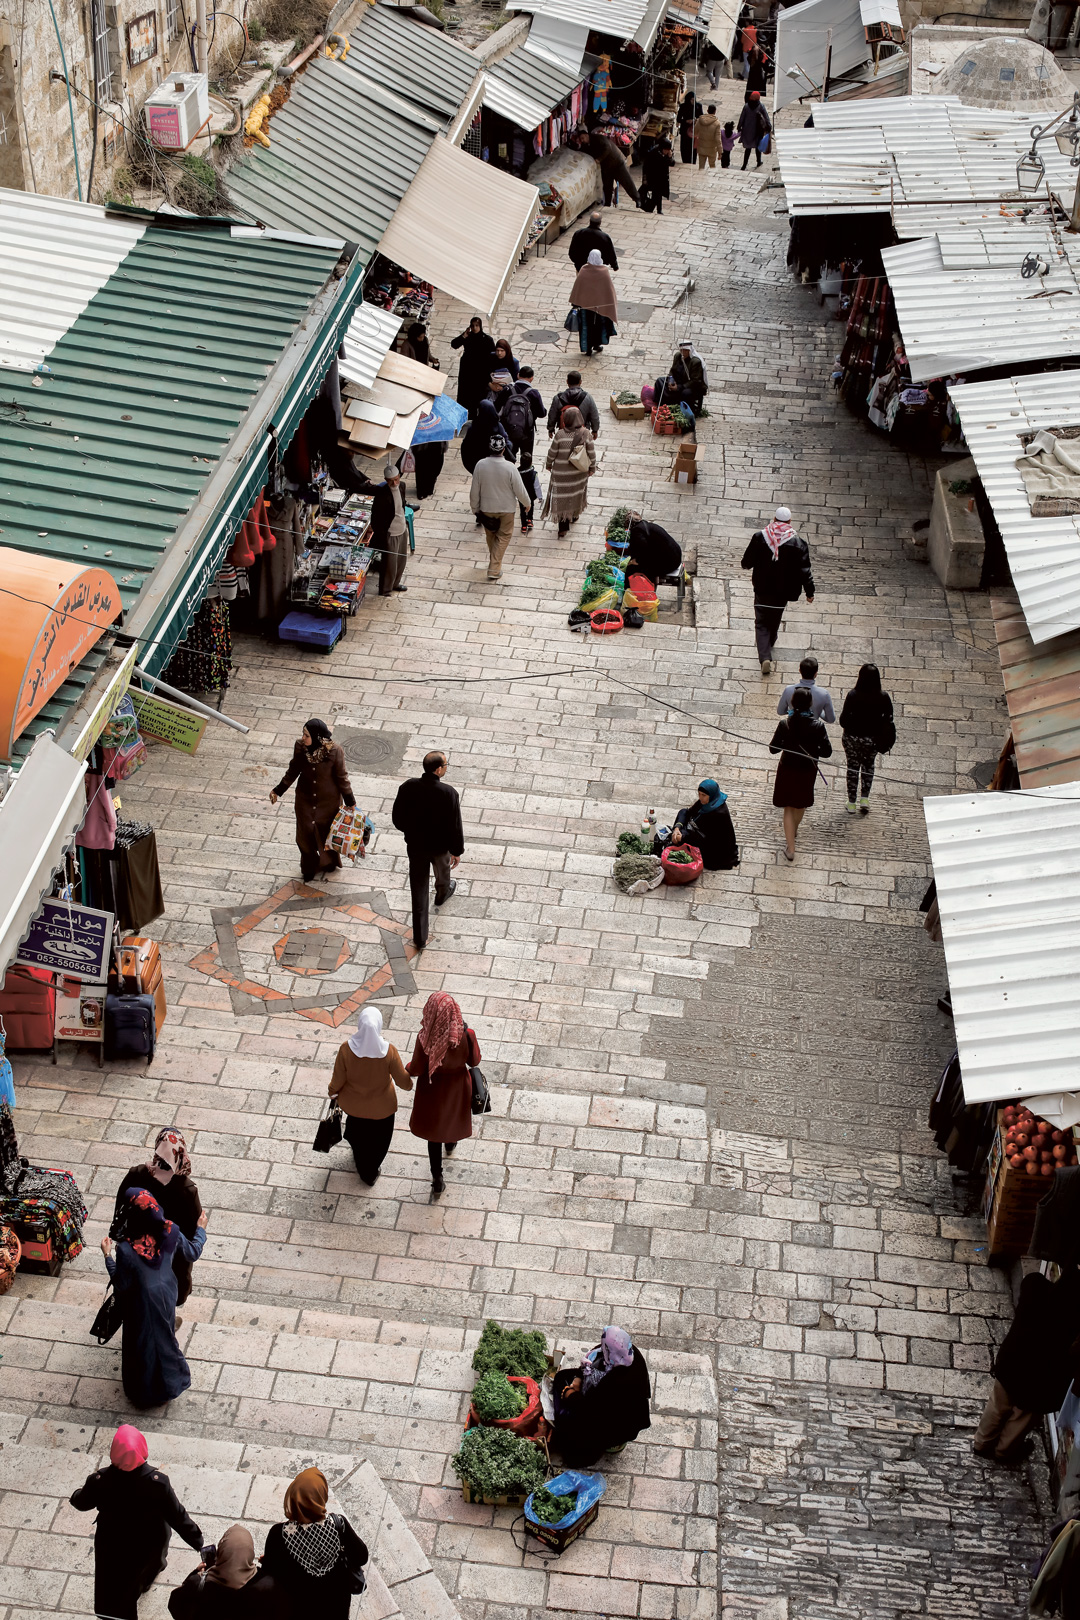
{"points": [[710, 1103]]}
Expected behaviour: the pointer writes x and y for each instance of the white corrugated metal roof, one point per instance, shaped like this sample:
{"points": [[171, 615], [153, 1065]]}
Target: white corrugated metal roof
{"points": [[558, 41], [880, 11], [367, 343], [698, 18], [927, 159], [1007, 867], [722, 27], [620, 18], [978, 310], [1044, 553], [55, 254], [916, 258], [649, 26], [525, 87]]}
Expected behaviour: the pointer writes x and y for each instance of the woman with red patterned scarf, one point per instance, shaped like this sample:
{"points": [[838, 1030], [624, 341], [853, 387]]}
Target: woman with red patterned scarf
{"points": [[152, 1368], [442, 1110], [169, 1170]]}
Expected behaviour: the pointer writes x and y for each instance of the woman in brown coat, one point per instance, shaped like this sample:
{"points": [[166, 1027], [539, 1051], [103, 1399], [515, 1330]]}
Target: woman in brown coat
{"points": [[365, 1074], [567, 486], [444, 1051], [322, 784]]}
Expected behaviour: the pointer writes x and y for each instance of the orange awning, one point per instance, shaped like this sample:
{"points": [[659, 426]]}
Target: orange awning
{"points": [[53, 613]]}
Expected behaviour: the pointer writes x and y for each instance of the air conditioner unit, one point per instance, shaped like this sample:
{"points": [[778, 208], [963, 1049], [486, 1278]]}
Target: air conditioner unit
{"points": [[177, 110]]}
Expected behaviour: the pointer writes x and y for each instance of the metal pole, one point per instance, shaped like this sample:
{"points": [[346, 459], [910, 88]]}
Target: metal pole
{"points": [[189, 702], [828, 65], [200, 35], [1074, 223]]}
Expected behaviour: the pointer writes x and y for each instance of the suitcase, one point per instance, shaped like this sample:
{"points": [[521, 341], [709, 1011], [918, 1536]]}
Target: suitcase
{"points": [[130, 1026], [140, 968], [28, 1008]]}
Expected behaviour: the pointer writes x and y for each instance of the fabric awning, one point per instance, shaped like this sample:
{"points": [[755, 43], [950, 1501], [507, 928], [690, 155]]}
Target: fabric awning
{"points": [[462, 225], [39, 817]]}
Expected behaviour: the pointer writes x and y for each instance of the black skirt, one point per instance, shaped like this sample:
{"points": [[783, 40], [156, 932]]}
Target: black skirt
{"points": [[794, 785]]}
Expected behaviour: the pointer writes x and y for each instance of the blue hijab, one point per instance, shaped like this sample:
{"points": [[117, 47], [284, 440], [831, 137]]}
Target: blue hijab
{"points": [[716, 798]]}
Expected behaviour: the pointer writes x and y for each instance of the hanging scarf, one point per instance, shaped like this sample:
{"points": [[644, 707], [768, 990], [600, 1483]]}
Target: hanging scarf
{"points": [[368, 1041], [145, 1226], [235, 1563], [441, 1029], [614, 1350], [316, 1547], [775, 534], [171, 1150]]}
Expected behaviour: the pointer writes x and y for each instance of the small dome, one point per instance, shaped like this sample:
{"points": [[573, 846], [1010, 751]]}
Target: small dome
{"points": [[1006, 73]]}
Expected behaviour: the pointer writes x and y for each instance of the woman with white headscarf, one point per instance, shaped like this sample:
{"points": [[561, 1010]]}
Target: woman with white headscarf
{"points": [[365, 1074], [595, 305], [604, 1404]]}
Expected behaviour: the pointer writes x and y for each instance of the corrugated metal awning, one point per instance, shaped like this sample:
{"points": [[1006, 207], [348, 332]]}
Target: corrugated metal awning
{"points": [[619, 18], [1007, 868], [367, 343], [649, 26], [1042, 690], [39, 817], [525, 87], [809, 34], [455, 204], [1044, 553], [420, 64]]}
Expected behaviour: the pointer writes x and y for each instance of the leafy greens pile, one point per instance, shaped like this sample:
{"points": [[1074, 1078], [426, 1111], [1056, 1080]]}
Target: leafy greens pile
{"points": [[510, 1350], [498, 1463], [495, 1397], [550, 1509]]}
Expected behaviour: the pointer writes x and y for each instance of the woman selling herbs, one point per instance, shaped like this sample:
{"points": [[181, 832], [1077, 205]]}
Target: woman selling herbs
{"points": [[604, 1404], [708, 826], [322, 784]]}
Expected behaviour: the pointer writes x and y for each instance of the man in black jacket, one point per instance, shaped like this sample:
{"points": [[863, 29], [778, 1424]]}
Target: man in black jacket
{"points": [[428, 812], [591, 236], [389, 531], [574, 394], [780, 560]]}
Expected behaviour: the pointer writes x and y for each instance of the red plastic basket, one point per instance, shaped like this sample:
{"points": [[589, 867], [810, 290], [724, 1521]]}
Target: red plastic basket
{"points": [[605, 621], [680, 871], [526, 1422]]}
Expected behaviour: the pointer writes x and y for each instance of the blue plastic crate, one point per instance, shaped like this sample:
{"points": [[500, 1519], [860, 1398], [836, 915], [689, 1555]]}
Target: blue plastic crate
{"points": [[309, 630]]}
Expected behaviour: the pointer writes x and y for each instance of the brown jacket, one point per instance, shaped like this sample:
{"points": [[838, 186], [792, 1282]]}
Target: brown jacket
{"points": [[321, 785], [364, 1087], [707, 134], [442, 1111]]}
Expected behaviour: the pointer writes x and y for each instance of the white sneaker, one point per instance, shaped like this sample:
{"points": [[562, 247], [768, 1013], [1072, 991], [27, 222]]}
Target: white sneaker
{"points": [[851, 807], [766, 666]]}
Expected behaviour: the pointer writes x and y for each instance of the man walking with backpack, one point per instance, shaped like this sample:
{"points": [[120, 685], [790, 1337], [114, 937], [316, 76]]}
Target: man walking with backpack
{"points": [[574, 394], [518, 405], [780, 560]]}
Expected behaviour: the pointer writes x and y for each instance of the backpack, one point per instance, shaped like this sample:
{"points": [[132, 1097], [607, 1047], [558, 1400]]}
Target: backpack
{"points": [[517, 418]]}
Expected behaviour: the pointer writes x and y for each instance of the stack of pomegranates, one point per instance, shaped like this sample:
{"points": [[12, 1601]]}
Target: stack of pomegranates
{"points": [[1034, 1146]]}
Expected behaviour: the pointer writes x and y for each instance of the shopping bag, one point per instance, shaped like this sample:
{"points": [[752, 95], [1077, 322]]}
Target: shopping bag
{"points": [[350, 832], [109, 1317], [330, 1132], [763, 144], [579, 458]]}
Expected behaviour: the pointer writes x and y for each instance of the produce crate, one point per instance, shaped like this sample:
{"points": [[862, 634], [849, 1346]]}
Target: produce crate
{"points": [[662, 425], [634, 412], [559, 1540], [1009, 1203], [469, 1495]]}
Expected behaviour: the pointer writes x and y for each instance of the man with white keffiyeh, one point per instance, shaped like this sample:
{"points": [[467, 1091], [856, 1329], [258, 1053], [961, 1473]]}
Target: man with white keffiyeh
{"points": [[780, 560]]}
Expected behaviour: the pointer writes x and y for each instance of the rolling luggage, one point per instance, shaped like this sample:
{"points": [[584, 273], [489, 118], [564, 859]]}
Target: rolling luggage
{"points": [[140, 967], [28, 1008], [130, 1026]]}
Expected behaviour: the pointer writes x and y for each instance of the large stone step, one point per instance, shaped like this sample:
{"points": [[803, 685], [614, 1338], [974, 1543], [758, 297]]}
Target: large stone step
{"points": [[48, 1559]]}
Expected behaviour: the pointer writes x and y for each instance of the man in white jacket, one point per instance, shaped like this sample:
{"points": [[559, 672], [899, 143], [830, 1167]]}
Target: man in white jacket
{"points": [[497, 491]]}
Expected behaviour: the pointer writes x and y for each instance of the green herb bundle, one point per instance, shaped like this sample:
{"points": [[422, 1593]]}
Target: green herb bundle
{"points": [[495, 1398], [620, 519], [549, 1509], [680, 857], [626, 396], [630, 869], [631, 843], [599, 572], [510, 1350], [497, 1462]]}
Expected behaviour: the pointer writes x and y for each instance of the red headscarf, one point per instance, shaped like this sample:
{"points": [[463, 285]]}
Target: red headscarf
{"points": [[442, 1028], [129, 1449]]}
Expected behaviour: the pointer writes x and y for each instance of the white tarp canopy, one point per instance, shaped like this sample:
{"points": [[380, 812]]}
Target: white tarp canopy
{"points": [[39, 817], [725, 20], [804, 35], [462, 225], [1007, 868]]}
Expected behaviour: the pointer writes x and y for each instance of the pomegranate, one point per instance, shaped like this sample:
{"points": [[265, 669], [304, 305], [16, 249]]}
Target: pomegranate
{"points": [[1060, 1152], [1031, 1154], [1031, 1167], [1046, 1169], [1016, 1160]]}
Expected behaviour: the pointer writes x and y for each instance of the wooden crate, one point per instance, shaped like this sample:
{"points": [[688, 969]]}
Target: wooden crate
{"points": [[1009, 1202], [634, 412]]}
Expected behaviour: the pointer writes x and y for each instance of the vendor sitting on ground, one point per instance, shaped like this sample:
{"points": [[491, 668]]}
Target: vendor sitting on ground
{"points": [[653, 552], [604, 1404], [666, 391], [708, 826]]}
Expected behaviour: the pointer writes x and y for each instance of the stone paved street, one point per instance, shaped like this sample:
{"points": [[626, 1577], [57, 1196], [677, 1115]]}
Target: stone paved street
{"points": [[710, 1103]]}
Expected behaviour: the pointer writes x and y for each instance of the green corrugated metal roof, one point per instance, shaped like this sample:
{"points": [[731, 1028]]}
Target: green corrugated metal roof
{"points": [[65, 698], [418, 63], [342, 155], [102, 462]]}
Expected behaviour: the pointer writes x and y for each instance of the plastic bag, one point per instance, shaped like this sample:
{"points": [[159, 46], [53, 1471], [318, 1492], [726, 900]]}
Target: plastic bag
{"points": [[121, 729], [350, 832], [586, 1488]]}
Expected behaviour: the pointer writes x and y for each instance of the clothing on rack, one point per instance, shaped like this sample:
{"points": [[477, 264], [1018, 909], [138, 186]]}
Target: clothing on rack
{"points": [[203, 659], [30, 1192]]}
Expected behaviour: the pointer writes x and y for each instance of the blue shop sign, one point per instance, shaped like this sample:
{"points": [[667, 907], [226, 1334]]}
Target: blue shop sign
{"points": [[71, 939]]}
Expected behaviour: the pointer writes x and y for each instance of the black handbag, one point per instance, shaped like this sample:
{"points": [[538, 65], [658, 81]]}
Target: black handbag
{"points": [[109, 1318], [481, 1096], [330, 1131], [357, 1577]]}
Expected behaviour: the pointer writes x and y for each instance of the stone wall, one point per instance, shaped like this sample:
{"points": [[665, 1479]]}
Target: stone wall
{"points": [[998, 11]]}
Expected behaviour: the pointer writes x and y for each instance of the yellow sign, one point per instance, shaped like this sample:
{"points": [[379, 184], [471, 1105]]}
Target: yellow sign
{"points": [[104, 707], [170, 722]]}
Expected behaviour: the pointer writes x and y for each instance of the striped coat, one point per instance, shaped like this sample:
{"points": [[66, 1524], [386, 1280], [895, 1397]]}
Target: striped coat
{"points": [[567, 495]]}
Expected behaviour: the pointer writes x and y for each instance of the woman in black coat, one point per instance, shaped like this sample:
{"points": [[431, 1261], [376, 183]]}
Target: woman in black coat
{"points": [[706, 824], [604, 1404], [169, 1173], [317, 1559], [801, 741], [656, 177], [229, 1585], [653, 552], [867, 729], [137, 1509], [477, 364], [689, 112]]}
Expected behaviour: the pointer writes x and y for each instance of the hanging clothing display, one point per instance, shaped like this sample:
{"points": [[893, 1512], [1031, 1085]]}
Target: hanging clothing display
{"points": [[203, 659], [38, 1196]]}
